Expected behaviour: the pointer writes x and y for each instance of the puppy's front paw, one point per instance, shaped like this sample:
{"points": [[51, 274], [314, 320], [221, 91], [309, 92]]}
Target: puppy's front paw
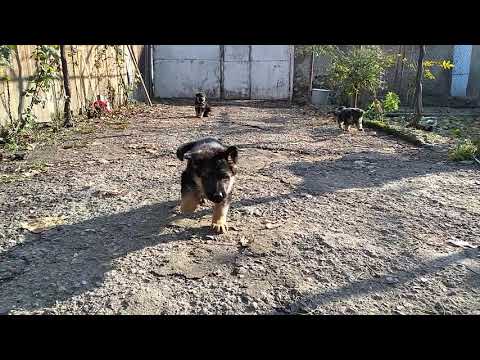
{"points": [[220, 226]]}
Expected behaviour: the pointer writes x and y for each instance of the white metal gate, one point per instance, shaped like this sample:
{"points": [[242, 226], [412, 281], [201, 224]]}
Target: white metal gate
{"points": [[462, 55], [223, 71]]}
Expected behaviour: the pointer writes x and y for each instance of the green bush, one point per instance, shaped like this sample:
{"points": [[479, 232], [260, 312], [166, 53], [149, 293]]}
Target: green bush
{"points": [[456, 133], [357, 70], [465, 150], [391, 102], [378, 108], [374, 111], [476, 142]]}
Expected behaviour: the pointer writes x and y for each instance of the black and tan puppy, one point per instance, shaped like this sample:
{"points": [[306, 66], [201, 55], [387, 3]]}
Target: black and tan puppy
{"points": [[348, 116], [210, 174], [202, 108]]}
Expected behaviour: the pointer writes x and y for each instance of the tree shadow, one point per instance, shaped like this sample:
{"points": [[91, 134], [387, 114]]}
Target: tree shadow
{"points": [[380, 284], [72, 259], [363, 169], [324, 133], [272, 125]]}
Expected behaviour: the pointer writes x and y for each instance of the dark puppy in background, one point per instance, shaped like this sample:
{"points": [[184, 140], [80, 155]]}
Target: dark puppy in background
{"points": [[210, 174], [202, 109], [347, 116]]}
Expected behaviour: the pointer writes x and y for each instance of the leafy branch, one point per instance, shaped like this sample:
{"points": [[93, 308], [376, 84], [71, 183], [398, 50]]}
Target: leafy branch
{"points": [[47, 59], [361, 69]]}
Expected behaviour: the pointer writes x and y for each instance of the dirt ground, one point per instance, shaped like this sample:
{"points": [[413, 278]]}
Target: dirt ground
{"points": [[321, 223]]}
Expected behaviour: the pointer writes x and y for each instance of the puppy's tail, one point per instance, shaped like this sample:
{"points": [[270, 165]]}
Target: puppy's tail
{"points": [[182, 150]]}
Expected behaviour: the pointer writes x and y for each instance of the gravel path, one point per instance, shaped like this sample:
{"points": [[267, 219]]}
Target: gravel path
{"points": [[322, 222]]}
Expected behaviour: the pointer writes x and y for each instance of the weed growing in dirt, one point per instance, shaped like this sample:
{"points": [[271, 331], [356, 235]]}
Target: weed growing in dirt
{"points": [[378, 108], [476, 142], [85, 128], [12, 146], [457, 133], [465, 150], [24, 172], [391, 102], [38, 166], [118, 124]]}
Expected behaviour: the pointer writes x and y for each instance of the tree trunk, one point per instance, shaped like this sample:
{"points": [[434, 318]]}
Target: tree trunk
{"points": [[397, 69], [418, 89], [312, 63], [67, 114]]}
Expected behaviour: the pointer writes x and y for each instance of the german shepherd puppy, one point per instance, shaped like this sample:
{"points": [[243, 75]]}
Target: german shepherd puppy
{"points": [[210, 173], [202, 108], [348, 116]]}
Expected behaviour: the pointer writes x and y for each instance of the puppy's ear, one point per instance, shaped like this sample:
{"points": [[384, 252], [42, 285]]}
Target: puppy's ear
{"points": [[232, 154]]}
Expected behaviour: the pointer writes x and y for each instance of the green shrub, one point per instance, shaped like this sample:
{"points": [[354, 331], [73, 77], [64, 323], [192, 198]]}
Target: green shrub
{"points": [[378, 108], [457, 133], [465, 150], [391, 102]]}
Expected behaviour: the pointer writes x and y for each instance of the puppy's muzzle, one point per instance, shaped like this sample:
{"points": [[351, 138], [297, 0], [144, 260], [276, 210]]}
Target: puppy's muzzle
{"points": [[218, 197]]}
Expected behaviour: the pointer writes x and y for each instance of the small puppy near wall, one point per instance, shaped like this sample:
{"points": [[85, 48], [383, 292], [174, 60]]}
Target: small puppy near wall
{"points": [[210, 173], [202, 108], [347, 117]]}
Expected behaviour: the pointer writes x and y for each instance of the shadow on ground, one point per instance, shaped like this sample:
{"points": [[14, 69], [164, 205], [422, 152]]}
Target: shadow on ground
{"points": [[72, 259], [362, 170], [377, 285]]}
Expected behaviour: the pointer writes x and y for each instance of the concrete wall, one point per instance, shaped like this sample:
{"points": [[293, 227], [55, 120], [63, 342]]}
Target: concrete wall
{"points": [[301, 75], [92, 70], [437, 92], [302, 69]]}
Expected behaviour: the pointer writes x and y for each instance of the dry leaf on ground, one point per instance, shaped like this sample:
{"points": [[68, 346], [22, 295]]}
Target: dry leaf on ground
{"points": [[43, 224]]}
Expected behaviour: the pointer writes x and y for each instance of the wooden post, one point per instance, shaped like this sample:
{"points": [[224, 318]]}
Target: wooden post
{"points": [[139, 73], [67, 120], [418, 89], [312, 62]]}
